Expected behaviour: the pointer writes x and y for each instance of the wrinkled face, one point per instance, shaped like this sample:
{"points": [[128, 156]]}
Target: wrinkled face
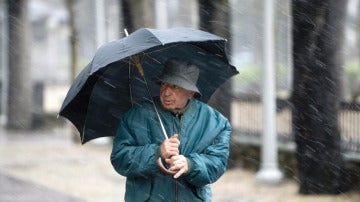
{"points": [[173, 97]]}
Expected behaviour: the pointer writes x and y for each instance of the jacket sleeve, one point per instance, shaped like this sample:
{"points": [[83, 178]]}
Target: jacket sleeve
{"points": [[131, 155], [208, 166]]}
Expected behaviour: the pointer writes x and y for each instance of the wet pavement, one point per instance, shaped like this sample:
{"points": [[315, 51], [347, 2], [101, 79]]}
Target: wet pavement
{"points": [[47, 166], [14, 189]]}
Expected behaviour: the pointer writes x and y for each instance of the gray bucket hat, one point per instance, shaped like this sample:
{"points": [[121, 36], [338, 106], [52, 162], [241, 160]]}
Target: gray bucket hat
{"points": [[182, 73]]}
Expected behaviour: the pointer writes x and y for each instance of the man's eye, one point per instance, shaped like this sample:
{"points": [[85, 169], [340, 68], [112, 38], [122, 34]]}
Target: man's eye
{"points": [[163, 85], [167, 85]]}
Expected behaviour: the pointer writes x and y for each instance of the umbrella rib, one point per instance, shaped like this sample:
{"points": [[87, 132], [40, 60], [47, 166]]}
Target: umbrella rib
{"points": [[157, 50], [130, 89], [146, 54]]}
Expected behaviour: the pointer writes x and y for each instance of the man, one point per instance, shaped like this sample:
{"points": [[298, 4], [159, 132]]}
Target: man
{"points": [[197, 152]]}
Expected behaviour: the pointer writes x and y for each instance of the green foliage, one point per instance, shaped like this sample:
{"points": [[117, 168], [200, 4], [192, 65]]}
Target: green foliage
{"points": [[281, 71], [249, 73], [352, 71], [252, 73]]}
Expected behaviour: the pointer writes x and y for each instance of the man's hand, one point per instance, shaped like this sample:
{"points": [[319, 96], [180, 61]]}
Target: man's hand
{"points": [[178, 163], [170, 147]]}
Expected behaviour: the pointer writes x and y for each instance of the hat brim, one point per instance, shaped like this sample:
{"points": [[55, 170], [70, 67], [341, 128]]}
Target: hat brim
{"points": [[181, 83]]}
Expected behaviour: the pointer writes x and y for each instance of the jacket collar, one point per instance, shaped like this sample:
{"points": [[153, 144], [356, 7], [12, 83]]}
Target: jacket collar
{"points": [[188, 109]]}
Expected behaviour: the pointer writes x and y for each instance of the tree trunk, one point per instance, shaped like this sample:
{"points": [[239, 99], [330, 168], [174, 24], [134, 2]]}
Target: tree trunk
{"points": [[74, 45], [74, 50], [355, 90], [137, 14], [318, 34], [215, 18], [20, 101]]}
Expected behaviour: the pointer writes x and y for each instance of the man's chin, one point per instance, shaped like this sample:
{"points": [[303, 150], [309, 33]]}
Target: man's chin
{"points": [[167, 107]]}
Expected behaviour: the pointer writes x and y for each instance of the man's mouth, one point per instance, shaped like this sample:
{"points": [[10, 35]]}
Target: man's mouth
{"points": [[168, 102]]}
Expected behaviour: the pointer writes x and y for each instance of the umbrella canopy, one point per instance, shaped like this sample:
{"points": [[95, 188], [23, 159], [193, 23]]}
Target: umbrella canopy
{"points": [[111, 84]]}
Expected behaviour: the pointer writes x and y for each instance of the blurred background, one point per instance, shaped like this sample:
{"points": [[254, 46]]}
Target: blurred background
{"points": [[46, 43]]}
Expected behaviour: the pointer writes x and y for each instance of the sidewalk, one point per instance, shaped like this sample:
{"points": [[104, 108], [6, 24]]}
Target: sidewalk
{"points": [[47, 166]]}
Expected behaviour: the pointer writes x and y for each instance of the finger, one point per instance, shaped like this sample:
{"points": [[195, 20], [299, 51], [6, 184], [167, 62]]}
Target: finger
{"points": [[177, 159], [173, 152], [168, 153], [176, 165], [174, 138], [178, 174], [170, 160], [179, 163], [174, 141], [173, 145]]}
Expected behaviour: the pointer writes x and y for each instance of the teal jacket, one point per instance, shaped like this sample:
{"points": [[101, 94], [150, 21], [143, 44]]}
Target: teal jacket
{"points": [[204, 141]]}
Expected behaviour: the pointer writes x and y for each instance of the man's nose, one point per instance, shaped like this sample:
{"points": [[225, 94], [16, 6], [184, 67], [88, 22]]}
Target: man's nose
{"points": [[167, 90]]}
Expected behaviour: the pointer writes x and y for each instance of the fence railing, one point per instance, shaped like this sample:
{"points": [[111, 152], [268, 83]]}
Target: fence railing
{"points": [[247, 122]]}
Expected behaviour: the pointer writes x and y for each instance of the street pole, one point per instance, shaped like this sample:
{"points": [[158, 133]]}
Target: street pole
{"points": [[100, 22], [100, 26], [4, 64], [161, 14], [269, 171]]}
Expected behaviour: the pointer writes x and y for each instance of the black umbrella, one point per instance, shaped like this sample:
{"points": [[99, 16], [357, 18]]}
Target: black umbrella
{"points": [[111, 84]]}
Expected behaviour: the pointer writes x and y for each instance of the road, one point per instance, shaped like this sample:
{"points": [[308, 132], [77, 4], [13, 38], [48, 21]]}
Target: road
{"points": [[45, 165]]}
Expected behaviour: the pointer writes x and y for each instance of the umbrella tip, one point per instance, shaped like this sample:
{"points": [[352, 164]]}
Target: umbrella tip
{"points": [[126, 32]]}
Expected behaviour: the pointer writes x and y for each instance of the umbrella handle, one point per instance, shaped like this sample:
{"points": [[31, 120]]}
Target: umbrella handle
{"points": [[163, 169], [161, 165], [138, 64]]}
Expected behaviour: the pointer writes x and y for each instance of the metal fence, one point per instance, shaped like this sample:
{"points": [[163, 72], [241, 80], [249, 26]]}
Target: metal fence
{"points": [[349, 119], [247, 123]]}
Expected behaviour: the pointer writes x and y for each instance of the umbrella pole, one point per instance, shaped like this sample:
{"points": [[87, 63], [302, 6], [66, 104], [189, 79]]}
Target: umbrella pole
{"points": [[129, 80], [136, 59], [141, 71]]}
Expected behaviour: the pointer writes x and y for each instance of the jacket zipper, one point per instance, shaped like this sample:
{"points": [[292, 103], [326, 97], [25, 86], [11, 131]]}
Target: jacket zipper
{"points": [[178, 131], [176, 190]]}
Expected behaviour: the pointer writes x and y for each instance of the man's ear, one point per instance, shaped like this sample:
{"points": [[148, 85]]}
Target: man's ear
{"points": [[191, 94]]}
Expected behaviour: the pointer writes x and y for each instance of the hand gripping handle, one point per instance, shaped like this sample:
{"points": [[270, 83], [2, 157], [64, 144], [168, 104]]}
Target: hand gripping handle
{"points": [[161, 165], [163, 169]]}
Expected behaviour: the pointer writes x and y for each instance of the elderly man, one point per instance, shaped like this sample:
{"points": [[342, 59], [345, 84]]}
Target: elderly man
{"points": [[197, 152]]}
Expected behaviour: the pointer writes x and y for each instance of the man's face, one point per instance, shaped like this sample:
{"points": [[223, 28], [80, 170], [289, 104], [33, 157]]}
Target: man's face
{"points": [[173, 97]]}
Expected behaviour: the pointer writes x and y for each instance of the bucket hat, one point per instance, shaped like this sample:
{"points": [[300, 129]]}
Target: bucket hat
{"points": [[182, 73]]}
